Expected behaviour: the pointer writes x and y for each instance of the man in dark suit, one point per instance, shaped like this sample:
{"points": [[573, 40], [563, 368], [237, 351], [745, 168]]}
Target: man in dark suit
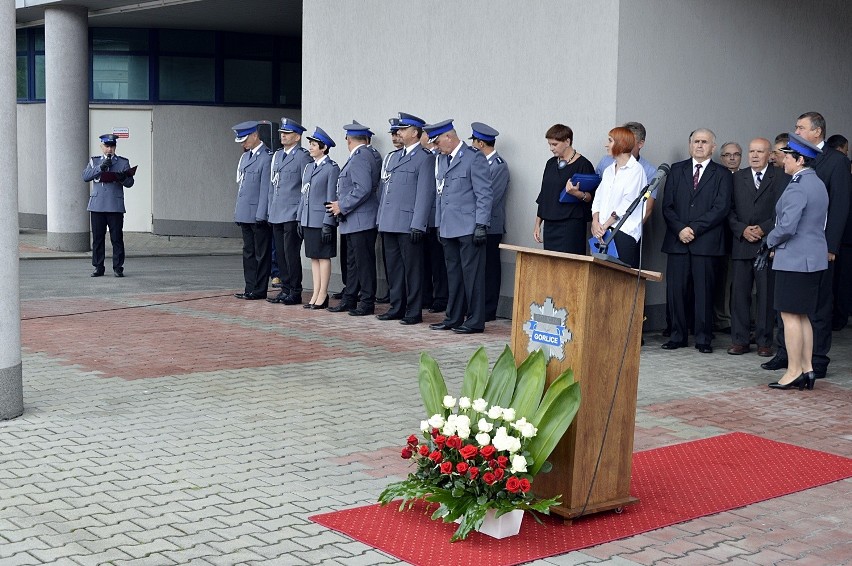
{"points": [[696, 203], [832, 167], [756, 190], [464, 212]]}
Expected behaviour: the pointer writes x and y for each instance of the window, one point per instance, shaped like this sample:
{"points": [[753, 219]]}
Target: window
{"points": [[187, 79]]}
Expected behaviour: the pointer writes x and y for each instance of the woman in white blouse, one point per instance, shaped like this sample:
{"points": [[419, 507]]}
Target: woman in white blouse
{"points": [[621, 183]]}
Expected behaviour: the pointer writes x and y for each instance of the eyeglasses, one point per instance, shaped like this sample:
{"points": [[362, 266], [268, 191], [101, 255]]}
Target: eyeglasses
{"points": [[732, 155]]}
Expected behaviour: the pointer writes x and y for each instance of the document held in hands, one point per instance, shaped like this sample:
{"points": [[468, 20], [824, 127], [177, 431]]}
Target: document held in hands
{"points": [[587, 181], [112, 177]]}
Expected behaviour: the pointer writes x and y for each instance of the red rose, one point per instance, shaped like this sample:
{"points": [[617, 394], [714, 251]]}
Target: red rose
{"points": [[407, 453], [513, 484], [474, 472], [488, 451], [454, 442], [525, 485], [435, 432], [468, 451], [502, 461], [424, 450], [440, 440], [498, 473], [492, 463], [435, 456], [446, 467], [412, 440], [461, 467], [488, 478]]}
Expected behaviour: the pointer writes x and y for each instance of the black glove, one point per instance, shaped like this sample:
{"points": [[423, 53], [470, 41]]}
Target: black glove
{"points": [[106, 164], [327, 234], [300, 231], [416, 236], [121, 176], [762, 258], [480, 235]]}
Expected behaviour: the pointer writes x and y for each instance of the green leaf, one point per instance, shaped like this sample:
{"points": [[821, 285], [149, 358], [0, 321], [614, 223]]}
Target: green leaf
{"points": [[433, 388], [555, 414], [501, 384], [470, 521], [475, 375], [532, 375]]}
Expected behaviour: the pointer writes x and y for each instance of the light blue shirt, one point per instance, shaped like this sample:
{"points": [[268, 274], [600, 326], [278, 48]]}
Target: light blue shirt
{"points": [[650, 170]]}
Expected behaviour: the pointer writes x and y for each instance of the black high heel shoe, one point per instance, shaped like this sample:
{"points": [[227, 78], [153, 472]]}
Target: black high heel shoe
{"points": [[811, 378], [800, 383], [322, 306], [307, 305]]}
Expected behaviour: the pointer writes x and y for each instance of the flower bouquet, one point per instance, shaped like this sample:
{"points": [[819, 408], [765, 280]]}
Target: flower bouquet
{"points": [[481, 453]]}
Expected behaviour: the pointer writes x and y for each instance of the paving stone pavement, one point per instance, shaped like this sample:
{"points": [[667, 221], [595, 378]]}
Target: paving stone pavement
{"points": [[193, 428]]}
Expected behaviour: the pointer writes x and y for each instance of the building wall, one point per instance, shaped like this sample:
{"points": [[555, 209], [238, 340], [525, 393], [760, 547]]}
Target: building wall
{"points": [[521, 74], [734, 67]]}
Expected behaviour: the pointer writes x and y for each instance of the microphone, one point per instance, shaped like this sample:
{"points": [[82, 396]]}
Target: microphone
{"points": [[659, 176]]}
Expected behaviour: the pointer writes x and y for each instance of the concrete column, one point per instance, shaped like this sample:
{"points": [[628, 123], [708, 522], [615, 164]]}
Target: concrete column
{"points": [[11, 386], [67, 126]]}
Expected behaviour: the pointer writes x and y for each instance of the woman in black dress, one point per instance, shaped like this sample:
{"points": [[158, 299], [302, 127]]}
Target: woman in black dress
{"points": [[564, 222], [319, 186]]}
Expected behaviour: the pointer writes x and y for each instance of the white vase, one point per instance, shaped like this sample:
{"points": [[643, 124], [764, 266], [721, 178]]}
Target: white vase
{"points": [[506, 525]]}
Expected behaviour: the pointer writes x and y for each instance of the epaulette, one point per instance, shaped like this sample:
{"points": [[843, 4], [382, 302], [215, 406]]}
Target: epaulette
{"points": [[268, 151], [426, 151], [499, 160], [795, 179], [305, 151], [357, 151], [474, 148]]}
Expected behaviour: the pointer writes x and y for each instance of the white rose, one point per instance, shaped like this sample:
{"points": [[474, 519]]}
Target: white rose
{"points": [[424, 426], [480, 405], [519, 464], [449, 429], [484, 426], [462, 421], [514, 444], [436, 421], [464, 403], [520, 423], [463, 432], [509, 414], [483, 439], [495, 412], [449, 401], [528, 430], [501, 440]]}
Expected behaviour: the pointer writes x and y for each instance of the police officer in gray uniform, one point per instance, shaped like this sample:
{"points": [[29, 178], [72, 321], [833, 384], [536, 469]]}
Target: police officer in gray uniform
{"points": [[408, 192], [355, 208], [463, 211], [250, 213], [484, 137], [288, 163], [111, 175]]}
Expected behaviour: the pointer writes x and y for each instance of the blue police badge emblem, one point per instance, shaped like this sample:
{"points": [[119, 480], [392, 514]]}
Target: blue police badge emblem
{"points": [[547, 331]]}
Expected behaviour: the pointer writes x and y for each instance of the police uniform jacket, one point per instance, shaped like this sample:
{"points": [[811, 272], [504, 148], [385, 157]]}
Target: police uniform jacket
{"points": [[799, 233], [465, 193], [704, 209], [319, 185], [356, 191], [499, 184], [408, 191], [253, 186], [106, 197], [754, 207], [286, 183]]}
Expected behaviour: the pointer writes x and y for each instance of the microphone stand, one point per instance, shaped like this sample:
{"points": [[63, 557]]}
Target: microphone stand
{"points": [[644, 195]]}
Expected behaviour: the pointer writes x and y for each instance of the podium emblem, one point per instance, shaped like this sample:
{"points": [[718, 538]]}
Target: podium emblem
{"points": [[547, 331]]}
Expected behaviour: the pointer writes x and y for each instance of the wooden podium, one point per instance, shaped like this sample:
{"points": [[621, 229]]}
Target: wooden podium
{"points": [[598, 299]]}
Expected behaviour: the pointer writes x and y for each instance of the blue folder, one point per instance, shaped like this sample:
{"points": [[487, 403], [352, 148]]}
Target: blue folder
{"points": [[587, 181]]}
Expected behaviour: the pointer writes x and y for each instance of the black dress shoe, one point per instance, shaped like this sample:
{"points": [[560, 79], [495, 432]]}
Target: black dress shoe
{"points": [[307, 305], [254, 296], [704, 348], [411, 320], [337, 296], [388, 316], [799, 383], [293, 299], [341, 307], [279, 298], [362, 311], [118, 272], [775, 363], [467, 330], [672, 345], [97, 273], [810, 379], [383, 300], [240, 295], [438, 308], [439, 326]]}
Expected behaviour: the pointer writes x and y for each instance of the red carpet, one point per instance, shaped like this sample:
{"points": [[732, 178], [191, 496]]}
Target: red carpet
{"points": [[675, 484]]}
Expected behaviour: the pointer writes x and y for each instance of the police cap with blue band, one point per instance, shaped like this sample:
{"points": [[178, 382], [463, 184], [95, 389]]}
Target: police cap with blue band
{"points": [[319, 135], [435, 130], [243, 130], [801, 146], [108, 139], [394, 125], [288, 125], [483, 132], [358, 129], [406, 120]]}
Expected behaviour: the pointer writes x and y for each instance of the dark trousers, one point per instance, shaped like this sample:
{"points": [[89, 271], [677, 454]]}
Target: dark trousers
{"points": [[343, 258], [820, 321], [466, 282], [404, 261], [256, 257], [842, 289], [100, 222], [743, 277], [628, 248], [493, 273], [288, 246], [360, 268], [435, 292], [679, 267]]}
